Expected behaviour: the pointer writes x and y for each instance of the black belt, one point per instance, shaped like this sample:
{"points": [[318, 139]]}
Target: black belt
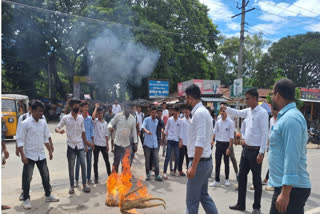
{"points": [[222, 142], [252, 147], [202, 159]]}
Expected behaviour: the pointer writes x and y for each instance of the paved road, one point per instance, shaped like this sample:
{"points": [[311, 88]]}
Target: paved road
{"points": [[172, 190]]}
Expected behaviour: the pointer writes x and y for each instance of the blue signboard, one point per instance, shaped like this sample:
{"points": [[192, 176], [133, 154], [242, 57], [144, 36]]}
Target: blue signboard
{"points": [[158, 88]]}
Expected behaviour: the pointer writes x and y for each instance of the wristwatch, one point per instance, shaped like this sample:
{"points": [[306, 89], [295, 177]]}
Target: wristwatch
{"points": [[260, 153]]}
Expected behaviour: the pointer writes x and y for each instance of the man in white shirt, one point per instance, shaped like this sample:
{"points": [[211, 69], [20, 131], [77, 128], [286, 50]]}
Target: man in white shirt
{"points": [[140, 117], [172, 131], [256, 136], [100, 141], [223, 134], [126, 130], [31, 140], [75, 137], [116, 108], [183, 139], [199, 153], [165, 111], [22, 118]]}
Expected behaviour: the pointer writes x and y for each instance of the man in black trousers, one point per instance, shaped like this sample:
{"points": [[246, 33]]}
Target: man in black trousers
{"points": [[256, 138]]}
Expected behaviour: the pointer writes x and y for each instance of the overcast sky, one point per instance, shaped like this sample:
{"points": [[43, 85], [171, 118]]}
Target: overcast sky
{"points": [[275, 19]]}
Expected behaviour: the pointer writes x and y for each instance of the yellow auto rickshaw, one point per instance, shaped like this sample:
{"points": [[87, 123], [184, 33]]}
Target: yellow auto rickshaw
{"points": [[13, 106]]}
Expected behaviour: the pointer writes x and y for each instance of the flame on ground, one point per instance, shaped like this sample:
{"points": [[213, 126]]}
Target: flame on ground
{"points": [[119, 185]]}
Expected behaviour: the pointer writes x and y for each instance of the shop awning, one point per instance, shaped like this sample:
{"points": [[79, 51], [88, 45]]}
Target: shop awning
{"points": [[213, 99], [310, 101]]}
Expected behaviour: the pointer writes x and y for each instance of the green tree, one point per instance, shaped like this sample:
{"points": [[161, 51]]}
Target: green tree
{"points": [[297, 57]]}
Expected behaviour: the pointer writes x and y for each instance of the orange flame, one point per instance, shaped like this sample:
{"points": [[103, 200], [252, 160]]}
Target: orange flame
{"points": [[118, 185]]}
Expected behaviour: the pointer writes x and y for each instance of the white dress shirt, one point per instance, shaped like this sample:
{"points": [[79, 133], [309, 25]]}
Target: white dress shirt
{"points": [[173, 129], [256, 133], [26, 115], [243, 129], [165, 113], [272, 123], [126, 129], [100, 132], [224, 130], [201, 132], [116, 108], [33, 135], [184, 130], [74, 128], [140, 117]]}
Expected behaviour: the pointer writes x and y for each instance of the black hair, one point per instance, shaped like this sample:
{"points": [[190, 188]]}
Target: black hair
{"points": [[153, 108], [159, 109], [176, 108], [73, 101], [223, 103], [253, 92], [37, 103], [99, 109], [84, 103], [109, 106], [209, 109], [193, 91], [164, 103], [286, 88], [187, 107], [170, 107]]}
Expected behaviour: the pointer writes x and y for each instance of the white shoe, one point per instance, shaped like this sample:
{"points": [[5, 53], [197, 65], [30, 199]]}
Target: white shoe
{"points": [[227, 183], [252, 187], [152, 173], [165, 176], [52, 199], [215, 184], [26, 204], [173, 173], [236, 186]]}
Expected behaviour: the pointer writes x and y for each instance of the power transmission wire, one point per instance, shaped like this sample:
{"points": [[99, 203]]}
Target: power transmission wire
{"points": [[303, 8], [103, 21]]}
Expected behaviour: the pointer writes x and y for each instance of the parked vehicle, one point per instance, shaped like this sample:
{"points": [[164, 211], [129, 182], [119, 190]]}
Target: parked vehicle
{"points": [[314, 136], [13, 106]]}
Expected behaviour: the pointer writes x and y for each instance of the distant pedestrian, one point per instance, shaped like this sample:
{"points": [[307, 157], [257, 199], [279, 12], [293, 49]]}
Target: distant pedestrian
{"points": [[256, 136], [75, 137], [183, 139], [288, 153], [32, 139], [223, 134], [116, 108], [108, 117], [140, 118], [172, 131], [199, 153], [100, 141]]}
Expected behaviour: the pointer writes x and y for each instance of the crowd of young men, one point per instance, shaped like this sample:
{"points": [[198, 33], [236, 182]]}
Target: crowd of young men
{"points": [[189, 134]]}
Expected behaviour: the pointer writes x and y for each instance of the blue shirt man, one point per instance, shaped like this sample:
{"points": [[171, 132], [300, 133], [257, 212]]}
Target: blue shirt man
{"points": [[288, 149], [151, 125], [150, 145], [88, 127], [288, 153]]}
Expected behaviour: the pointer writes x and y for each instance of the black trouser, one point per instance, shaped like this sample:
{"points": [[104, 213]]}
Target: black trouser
{"points": [[27, 176], [96, 151], [148, 153], [267, 175], [221, 149], [183, 154], [298, 198], [249, 162], [119, 153]]}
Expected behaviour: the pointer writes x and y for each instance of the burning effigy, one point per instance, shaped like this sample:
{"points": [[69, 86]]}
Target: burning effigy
{"points": [[122, 194]]}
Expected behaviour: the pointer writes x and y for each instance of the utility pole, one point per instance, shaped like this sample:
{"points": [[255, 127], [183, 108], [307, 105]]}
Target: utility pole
{"points": [[243, 13], [240, 60]]}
